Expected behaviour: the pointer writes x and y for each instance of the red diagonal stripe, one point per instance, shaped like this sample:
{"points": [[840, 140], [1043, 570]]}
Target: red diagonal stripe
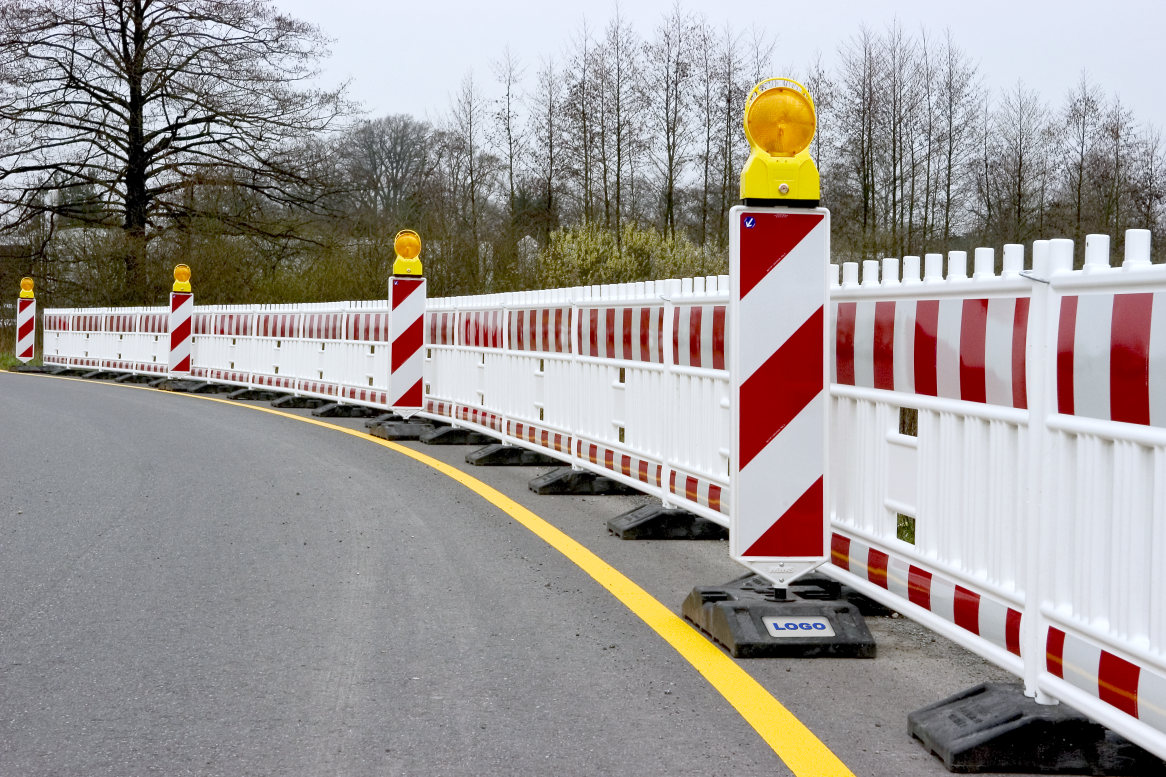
{"points": [[402, 288], [26, 328], [412, 397], [407, 344], [796, 533], [773, 395], [766, 244], [181, 333]]}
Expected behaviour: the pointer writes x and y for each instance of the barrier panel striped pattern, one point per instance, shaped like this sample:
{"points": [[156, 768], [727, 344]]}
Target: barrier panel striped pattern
{"points": [[1124, 685], [978, 614], [698, 336], [25, 329], [779, 257], [407, 326], [967, 349], [627, 333], [1111, 356], [181, 309], [546, 330]]}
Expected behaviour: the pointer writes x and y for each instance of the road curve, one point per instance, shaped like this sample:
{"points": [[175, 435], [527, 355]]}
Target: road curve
{"points": [[188, 587]]}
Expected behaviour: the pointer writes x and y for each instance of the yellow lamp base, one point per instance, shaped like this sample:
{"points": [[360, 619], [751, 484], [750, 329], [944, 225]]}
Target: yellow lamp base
{"points": [[792, 181], [405, 266]]}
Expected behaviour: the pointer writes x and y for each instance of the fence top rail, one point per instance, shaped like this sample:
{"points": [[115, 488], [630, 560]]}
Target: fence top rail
{"points": [[1052, 262], [678, 290]]}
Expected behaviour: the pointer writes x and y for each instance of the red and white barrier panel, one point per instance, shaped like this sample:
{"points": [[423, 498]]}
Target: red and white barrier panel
{"points": [[407, 327], [546, 330], [1136, 690], [181, 309], [1111, 357], [969, 349], [442, 328], [978, 614], [698, 336], [778, 339], [629, 333], [25, 329], [482, 328]]}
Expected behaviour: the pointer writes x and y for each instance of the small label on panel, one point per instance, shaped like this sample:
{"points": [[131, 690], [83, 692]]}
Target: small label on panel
{"points": [[798, 626]]}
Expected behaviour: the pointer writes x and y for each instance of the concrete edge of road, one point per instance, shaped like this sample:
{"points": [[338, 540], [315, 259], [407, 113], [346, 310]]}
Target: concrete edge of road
{"points": [[790, 739]]}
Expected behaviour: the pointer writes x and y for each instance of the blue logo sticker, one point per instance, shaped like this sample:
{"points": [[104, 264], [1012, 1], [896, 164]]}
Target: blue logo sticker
{"points": [[750, 222]]}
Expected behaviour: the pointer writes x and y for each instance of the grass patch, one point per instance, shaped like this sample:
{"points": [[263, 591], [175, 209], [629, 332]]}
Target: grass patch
{"points": [[8, 361]]}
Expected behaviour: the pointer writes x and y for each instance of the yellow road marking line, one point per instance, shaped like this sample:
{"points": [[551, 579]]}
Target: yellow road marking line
{"points": [[795, 744]]}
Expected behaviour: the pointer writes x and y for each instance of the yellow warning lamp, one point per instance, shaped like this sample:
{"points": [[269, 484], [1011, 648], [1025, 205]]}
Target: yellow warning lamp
{"points": [[182, 278], [407, 244], [26, 288], [779, 124]]}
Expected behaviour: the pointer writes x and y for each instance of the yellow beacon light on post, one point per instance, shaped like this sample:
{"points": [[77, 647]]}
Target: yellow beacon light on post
{"points": [[26, 288], [182, 278], [779, 124], [407, 245]]}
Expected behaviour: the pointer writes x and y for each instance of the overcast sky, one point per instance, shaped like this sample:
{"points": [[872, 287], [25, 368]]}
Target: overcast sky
{"points": [[406, 57]]}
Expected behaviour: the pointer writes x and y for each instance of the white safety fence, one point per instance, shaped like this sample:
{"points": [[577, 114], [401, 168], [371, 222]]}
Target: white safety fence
{"points": [[1034, 476], [1014, 424], [627, 380]]}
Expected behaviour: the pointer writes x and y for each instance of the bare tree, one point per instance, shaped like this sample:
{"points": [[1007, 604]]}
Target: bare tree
{"points": [[507, 132], [1081, 117], [667, 85], [1148, 182], [135, 100], [1020, 142], [546, 142], [580, 133], [958, 96], [620, 140], [386, 161]]}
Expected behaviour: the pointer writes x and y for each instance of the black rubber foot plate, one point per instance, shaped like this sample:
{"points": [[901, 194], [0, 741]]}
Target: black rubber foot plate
{"points": [[744, 618], [655, 522], [183, 386], [337, 410], [293, 401], [451, 435], [994, 727], [213, 388], [509, 456], [381, 419], [400, 431], [579, 482], [130, 377], [262, 395]]}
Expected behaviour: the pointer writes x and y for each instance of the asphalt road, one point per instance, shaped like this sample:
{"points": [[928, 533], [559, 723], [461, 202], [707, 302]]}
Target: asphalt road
{"points": [[190, 587]]}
